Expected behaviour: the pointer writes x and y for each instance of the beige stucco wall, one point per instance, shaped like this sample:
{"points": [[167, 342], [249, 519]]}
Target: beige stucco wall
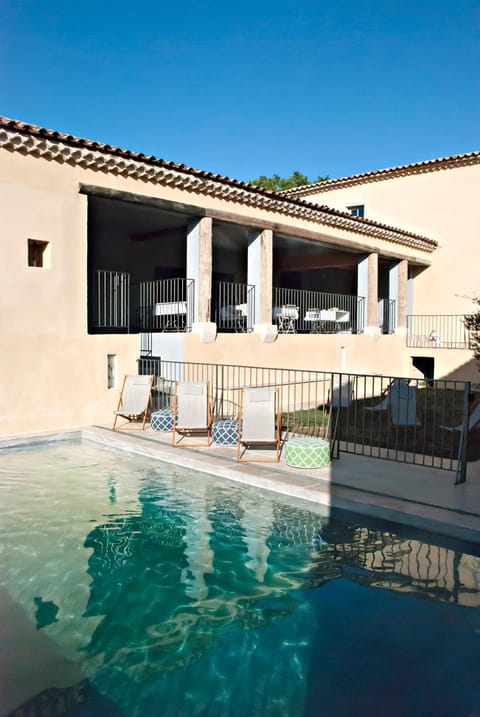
{"points": [[329, 352], [442, 205], [380, 354], [53, 374]]}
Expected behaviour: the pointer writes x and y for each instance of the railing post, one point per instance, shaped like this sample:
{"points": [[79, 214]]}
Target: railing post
{"points": [[461, 475], [110, 306], [360, 327]]}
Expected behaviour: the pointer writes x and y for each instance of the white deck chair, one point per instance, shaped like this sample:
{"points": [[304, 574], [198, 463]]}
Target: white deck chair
{"points": [[259, 422], [384, 404], [403, 405], [135, 399], [192, 412], [473, 421]]}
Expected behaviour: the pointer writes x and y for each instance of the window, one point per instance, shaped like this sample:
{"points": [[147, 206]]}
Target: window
{"points": [[38, 253], [357, 210]]}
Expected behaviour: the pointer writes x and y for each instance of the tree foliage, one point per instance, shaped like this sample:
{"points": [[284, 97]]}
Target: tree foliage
{"points": [[472, 323], [276, 183]]}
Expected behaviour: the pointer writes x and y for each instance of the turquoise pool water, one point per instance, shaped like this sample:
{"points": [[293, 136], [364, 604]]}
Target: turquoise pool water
{"points": [[132, 588]]}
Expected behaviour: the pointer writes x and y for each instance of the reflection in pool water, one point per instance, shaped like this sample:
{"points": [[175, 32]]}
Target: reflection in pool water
{"points": [[145, 590]]}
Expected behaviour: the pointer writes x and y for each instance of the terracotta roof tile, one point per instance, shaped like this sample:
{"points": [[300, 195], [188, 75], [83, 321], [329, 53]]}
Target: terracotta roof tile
{"points": [[16, 136], [430, 165]]}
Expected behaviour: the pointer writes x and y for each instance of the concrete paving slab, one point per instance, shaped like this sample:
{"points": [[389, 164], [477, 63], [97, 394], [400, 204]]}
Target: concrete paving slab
{"points": [[423, 497], [420, 496]]}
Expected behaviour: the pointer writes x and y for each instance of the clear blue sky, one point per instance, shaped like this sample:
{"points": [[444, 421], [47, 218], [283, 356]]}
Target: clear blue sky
{"points": [[249, 87]]}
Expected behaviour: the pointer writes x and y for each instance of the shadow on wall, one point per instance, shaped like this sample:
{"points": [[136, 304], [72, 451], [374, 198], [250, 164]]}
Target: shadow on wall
{"points": [[428, 369], [468, 371]]}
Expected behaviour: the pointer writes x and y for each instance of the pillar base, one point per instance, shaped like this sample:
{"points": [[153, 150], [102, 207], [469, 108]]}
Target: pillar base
{"points": [[206, 330], [267, 332], [372, 331]]}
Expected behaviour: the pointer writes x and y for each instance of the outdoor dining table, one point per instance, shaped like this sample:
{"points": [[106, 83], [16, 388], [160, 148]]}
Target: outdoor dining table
{"points": [[175, 313], [318, 318]]}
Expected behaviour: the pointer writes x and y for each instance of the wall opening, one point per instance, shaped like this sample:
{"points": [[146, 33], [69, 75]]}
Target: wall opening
{"points": [[426, 365], [38, 253]]}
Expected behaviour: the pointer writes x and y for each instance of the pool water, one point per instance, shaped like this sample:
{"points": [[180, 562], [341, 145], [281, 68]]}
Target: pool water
{"points": [[130, 587]]}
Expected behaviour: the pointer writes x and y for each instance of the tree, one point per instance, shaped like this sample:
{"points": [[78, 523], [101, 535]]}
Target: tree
{"points": [[472, 324], [276, 183]]}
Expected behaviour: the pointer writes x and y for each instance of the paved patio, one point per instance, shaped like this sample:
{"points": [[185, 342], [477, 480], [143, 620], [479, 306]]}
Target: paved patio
{"points": [[425, 498]]}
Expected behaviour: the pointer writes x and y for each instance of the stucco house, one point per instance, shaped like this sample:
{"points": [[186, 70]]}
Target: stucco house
{"points": [[109, 253], [437, 198]]}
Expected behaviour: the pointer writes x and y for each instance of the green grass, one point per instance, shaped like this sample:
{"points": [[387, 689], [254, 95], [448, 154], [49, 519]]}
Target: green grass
{"points": [[309, 422], [358, 426]]}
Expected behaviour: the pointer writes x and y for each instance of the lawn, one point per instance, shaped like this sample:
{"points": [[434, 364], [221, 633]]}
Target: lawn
{"points": [[358, 426]]}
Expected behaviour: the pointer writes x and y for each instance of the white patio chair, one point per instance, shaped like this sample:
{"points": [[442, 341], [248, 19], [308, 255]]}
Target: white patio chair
{"points": [[135, 399], [259, 422], [192, 412], [384, 404], [403, 405], [287, 319], [473, 421]]}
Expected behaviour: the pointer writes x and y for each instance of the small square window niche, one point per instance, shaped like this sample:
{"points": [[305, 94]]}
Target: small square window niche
{"points": [[38, 253], [357, 210]]}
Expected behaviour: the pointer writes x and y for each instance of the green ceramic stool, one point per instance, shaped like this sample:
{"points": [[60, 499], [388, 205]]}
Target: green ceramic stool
{"points": [[307, 452]]}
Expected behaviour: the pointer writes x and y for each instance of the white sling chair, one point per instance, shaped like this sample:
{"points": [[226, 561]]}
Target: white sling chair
{"points": [[403, 405], [473, 421], [384, 404], [259, 422], [192, 412], [135, 399]]}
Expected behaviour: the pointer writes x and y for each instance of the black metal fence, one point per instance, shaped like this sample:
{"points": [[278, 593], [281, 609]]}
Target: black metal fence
{"points": [[437, 331], [233, 307], [413, 421], [166, 305], [110, 309], [319, 311], [387, 315]]}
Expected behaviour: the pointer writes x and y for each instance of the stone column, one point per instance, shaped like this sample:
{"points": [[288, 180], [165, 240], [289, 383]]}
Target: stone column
{"points": [[199, 268], [367, 286], [409, 293], [398, 279], [259, 273]]}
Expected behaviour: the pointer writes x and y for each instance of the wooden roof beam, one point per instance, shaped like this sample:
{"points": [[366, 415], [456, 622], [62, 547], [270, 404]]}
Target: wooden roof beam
{"points": [[159, 233], [316, 261]]}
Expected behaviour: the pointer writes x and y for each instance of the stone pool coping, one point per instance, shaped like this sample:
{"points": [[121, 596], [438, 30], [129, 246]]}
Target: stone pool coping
{"points": [[424, 498]]}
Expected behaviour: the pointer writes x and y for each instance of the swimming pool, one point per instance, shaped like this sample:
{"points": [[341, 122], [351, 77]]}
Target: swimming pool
{"points": [[131, 587]]}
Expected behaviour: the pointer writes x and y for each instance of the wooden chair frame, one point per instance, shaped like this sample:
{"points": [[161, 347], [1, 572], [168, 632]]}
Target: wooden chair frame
{"points": [[275, 442], [186, 431]]}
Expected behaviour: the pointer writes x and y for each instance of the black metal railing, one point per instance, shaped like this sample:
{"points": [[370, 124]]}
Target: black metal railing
{"points": [[387, 315], [437, 331], [162, 390], [146, 344], [424, 423], [166, 305], [319, 311], [110, 308], [233, 306]]}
